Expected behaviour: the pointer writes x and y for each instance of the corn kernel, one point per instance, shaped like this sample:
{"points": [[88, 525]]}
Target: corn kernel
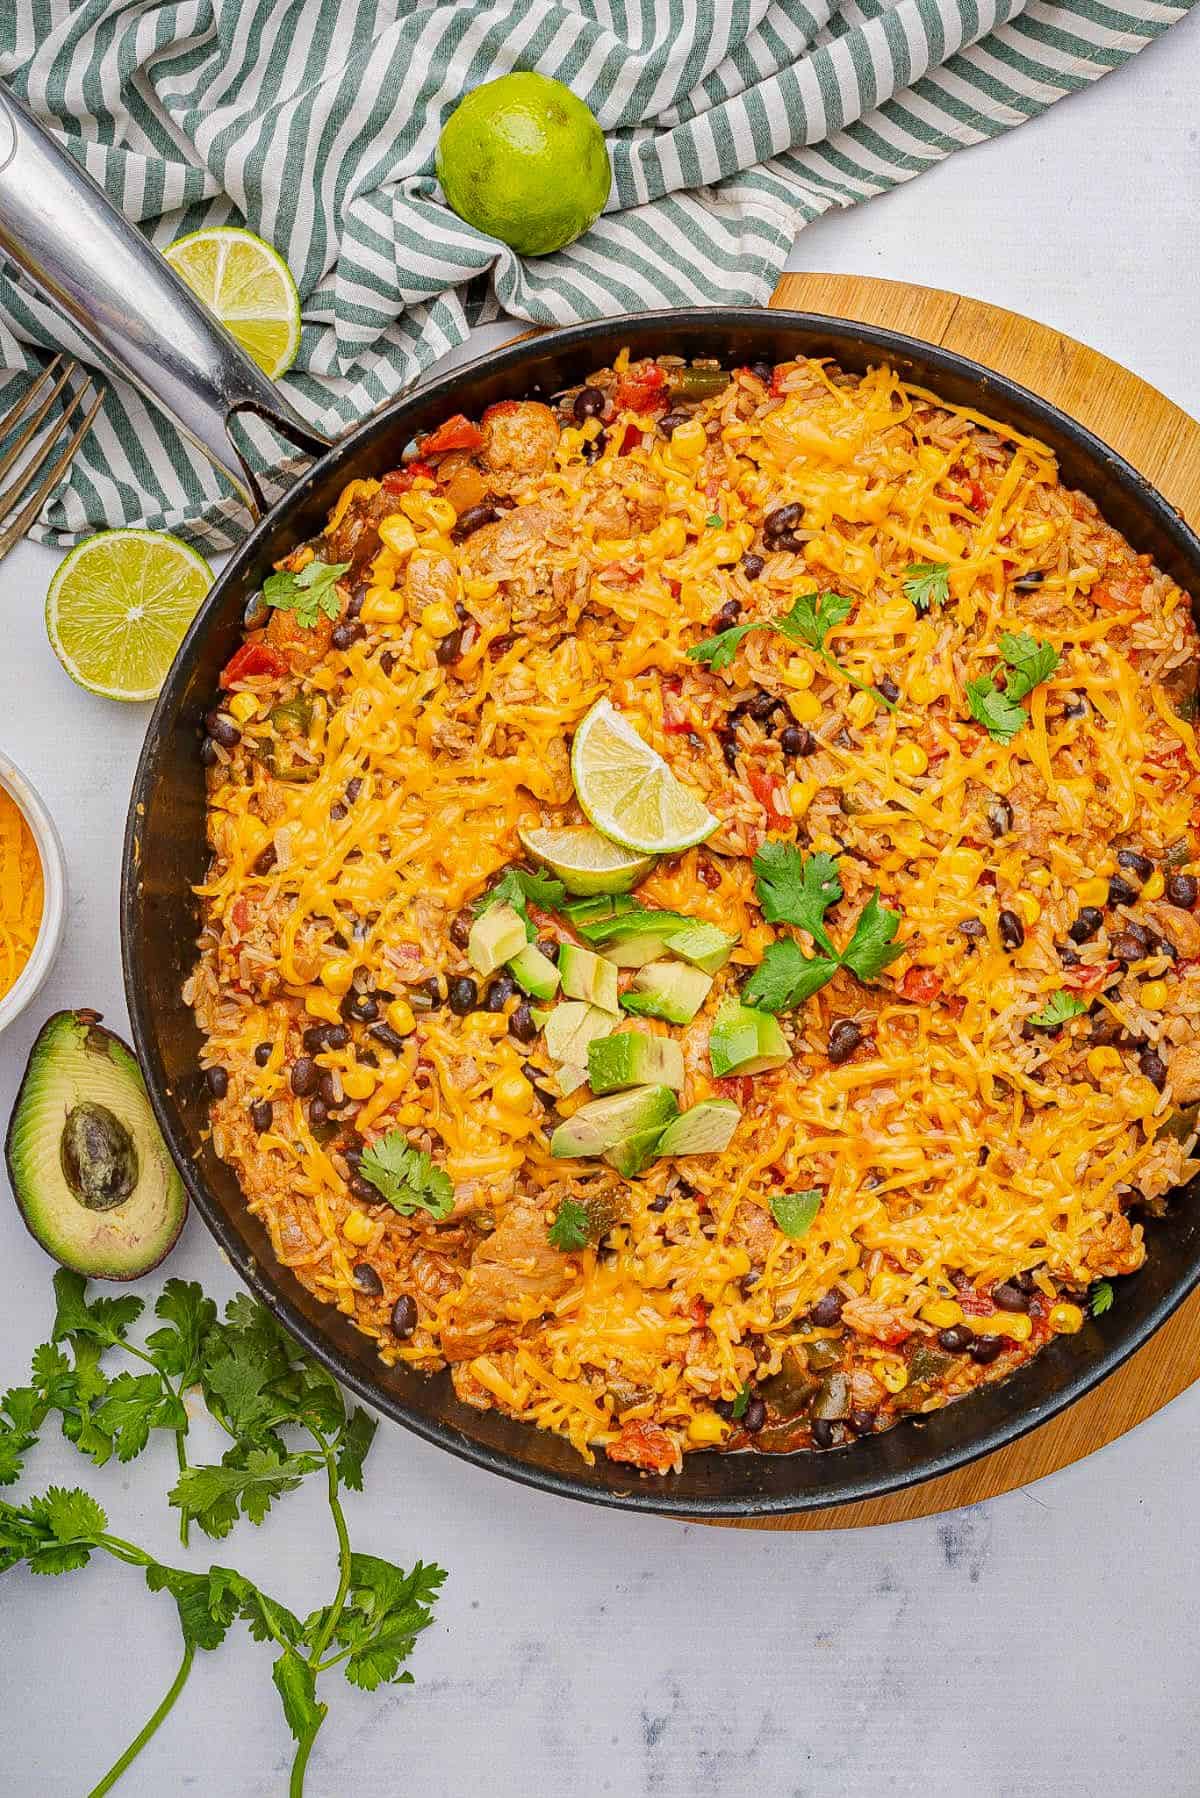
{"points": [[383, 607], [798, 673], [513, 1091], [481, 589], [397, 532], [1038, 877], [438, 619], [322, 1005], [894, 1377], [337, 976], [486, 1023], [1103, 1061], [1153, 888], [921, 690], [706, 1428], [801, 794], [942, 1313], [358, 1083], [861, 709], [399, 1015], [857, 1280], [243, 706], [962, 866], [1028, 907], [725, 548], [804, 707], [1013, 1324], [358, 1229], [428, 509], [1032, 536], [1065, 1320], [910, 759], [689, 440], [1154, 995], [1092, 892]]}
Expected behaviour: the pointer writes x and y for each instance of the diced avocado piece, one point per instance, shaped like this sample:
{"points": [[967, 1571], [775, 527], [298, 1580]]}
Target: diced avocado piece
{"points": [[668, 989], [703, 945], [89, 1170], [633, 1154], [571, 1026], [596, 910], [634, 951], [495, 938], [570, 1077], [746, 1041], [633, 1058], [589, 977], [541, 1015], [535, 972], [706, 1129], [599, 929], [599, 1125]]}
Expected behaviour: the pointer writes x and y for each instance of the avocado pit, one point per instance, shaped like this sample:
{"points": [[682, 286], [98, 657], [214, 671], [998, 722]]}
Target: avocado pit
{"points": [[98, 1156]]}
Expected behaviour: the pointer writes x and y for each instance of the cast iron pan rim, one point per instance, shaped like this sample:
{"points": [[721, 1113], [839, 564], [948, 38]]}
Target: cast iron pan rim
{"points": [[641, 1495]]}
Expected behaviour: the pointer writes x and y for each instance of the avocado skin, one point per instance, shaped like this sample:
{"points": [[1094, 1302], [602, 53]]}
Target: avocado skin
{"points": [[74, 1063]]}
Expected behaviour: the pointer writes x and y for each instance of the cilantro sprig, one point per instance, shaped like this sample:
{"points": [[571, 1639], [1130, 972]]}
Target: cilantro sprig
{"points": [[1059, 1009], [1102, 1298], [520, 889], [309, 593], [793, 889], [572, 1227], [407, 1178], [998, 709], [285, 1418], [809, 621], [928, 584]]}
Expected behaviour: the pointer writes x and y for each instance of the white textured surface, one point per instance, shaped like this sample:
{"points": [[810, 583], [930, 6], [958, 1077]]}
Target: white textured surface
{"points": [[1036, 1644]]}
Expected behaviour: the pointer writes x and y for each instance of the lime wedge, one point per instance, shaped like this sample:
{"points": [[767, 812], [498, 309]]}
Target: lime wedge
{"points": [[586, 862], [118, 607], [248, 286], [628, 791]]}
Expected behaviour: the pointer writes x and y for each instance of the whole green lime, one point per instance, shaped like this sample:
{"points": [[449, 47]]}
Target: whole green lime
{"points": [[524, 160]]}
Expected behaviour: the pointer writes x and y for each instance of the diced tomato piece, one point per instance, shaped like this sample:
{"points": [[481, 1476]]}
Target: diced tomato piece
{"points": [[671, 683], [955, 1005], [675, 726], [979, 498], [778, 376], [768, 790], [630, 441], [1085, 979], [250, 660], [921, 985], [737, 1087], [698, 1312], [465, 488], [975, 1304], [239, 912], [644, 1445], [399, 480], [458, 433], [642, 389]]}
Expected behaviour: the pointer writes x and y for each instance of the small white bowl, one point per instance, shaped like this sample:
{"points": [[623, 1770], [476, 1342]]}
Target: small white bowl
{"points": [[54, 882]]}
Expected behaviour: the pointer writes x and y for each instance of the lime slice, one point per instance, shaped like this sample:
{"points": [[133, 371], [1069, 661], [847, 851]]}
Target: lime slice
{"points": [[118, 607], [628, 791], [247, 286], [586, 862]]}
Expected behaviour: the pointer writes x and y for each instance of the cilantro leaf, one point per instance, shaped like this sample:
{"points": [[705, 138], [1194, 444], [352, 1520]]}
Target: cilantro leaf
{"points": [[720, 650], [571, 1228], [990, 706], [786, 977], [353, 1443], [928, 584], [1058, 1009], [794, 1211], [407, 1178], [207, 1603], [520, 889], [871, 947], [297, 1687], [812, 616], [308, 593], [53, 1533], [188, 1317], [740, 1404], [1102, 1298], [387, 1610], [105, 1320], [248, 1481], [793, 890], [133, 1405], [713, 521], [1030, 662]]}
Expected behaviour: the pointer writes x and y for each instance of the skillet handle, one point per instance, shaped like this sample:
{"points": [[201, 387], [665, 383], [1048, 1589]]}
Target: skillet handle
{"points": [[137, 317]]}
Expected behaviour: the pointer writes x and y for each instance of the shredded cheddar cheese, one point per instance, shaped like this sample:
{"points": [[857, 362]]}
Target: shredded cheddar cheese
{"points": [[21, 895]]}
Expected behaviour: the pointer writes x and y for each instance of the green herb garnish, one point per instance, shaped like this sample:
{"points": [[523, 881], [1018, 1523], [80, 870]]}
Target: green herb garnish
{"points": [[809, 621], [740, 1404], [571, 1228], [795, 890], [520, 889], [998, 709], [714, 520], [794, 1211], [407, 1178], [928, 584], [308, 593], [1058, 1009], [1102, 1298]]}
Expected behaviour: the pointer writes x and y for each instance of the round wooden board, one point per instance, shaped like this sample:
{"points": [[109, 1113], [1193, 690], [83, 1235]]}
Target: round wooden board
{"points": [[1164, 444]]}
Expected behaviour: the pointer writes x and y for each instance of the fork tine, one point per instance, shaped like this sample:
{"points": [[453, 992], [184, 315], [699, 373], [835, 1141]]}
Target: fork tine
{"points": [[14, 412], [12, 453], [29, 512]]}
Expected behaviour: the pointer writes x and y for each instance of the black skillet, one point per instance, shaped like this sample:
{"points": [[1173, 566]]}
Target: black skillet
{"points": [[166, 343]]}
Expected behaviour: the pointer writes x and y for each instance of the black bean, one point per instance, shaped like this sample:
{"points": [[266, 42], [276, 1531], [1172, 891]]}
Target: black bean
{"points": [[827, 1311], [660, 1203], [762, 371], [262, 1055], [208, 753], [313, 1039], [221, 727], [327, 1087], [670, 421], [752, 566], [546, 1099], [844, 1037], [787, 540], [387, 1037], [822, 1432], [336, 1036], [430, 994], [1033, 577], [1012, 931], [972, 929], [763, 706], [1127, 946], [728, 615], [1076, 707], [986, 1348], [318, 1114], [589, 403], [1120, 892], [367, 1280], [521, 1024], [887, 686], [499, 992], [460, 928], [729, 749], [782, 519], [754, 1416], [862, 1422], [1138, 865], [449, 649], [595, 447], [304, 1076], [261, 1114], [404, 1317], [795, 739], [360, 1008], [1009, 1297], [266, 860], [955, 1339], [357, 599], [1066, 955], [473, 519], [999, 816], [362, 1189], [387, 661], [1183, 890], [347, 632], [548, 947], [1153, 1067], [218, 1082], [338, 810], [1086, 924]]}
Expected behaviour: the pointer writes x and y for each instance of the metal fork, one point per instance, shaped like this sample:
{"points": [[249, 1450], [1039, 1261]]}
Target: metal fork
{"points": [[24, 496]]}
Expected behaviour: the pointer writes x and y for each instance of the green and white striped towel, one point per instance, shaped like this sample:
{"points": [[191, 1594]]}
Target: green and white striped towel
{"points": [[730, 123]]}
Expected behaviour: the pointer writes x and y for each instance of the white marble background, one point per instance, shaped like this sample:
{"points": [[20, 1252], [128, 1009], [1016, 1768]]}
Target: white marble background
{"points": [[1042, 1643]]}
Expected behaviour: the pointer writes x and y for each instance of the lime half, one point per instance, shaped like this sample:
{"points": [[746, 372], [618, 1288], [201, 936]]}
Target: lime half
{"points": [[586, 862], [118, 607], [248, 286], [628, 791]]}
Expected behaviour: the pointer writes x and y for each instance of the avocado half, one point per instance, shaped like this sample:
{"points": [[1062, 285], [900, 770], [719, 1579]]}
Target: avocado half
{"points": [[90, 1172]]}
